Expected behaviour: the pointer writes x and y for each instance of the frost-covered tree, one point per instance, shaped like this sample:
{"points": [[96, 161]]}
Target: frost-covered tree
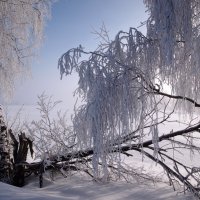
{"points": [[123, 83], [52, 135], [173, 26], [21, 31]]}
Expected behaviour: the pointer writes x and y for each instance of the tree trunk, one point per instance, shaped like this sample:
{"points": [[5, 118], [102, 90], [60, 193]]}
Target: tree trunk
{"points": [[5, 164], [20, 151], [13, 155]]}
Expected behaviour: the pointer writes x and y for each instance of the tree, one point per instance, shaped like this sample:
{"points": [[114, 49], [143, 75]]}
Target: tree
{"points": [[123, 86], [21, 31]]}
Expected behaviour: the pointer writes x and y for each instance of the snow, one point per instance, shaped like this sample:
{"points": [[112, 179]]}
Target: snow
{"points": [[78, 187]]}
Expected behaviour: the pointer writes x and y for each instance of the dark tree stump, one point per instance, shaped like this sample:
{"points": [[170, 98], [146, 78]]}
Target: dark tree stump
{"points": [[20, 151]]}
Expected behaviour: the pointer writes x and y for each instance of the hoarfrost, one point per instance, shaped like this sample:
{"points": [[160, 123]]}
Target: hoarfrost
{"points": [[21, 31], [119, 80]]}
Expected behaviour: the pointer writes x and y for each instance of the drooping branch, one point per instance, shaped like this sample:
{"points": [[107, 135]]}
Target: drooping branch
{"points": [[21, 30]]}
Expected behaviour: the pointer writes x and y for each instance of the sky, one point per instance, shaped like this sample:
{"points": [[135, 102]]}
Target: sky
{"points": [[71, 24]]}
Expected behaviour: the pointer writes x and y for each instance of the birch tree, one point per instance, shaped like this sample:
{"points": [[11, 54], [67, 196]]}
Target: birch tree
{"points": [[21, 32], [123, 83]]}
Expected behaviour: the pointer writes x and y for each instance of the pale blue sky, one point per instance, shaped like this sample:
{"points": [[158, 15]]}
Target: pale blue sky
{"points": [[71, 24]]}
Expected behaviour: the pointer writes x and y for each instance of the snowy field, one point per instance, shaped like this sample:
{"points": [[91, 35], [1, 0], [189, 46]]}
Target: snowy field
{"points": [[79, 188], [82, 187]]}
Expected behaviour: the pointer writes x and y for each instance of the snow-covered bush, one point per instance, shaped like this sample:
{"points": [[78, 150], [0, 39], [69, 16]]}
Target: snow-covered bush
{"points": [[51, 134]]}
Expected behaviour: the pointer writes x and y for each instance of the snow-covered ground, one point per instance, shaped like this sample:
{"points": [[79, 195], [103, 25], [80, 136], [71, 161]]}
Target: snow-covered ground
{"points": [[80, 188]]}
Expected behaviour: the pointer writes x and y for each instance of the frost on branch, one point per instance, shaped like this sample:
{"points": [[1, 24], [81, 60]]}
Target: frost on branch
{"points": [[21, 31], [116, 84], [52, 135], [174, 25], [122, 85]]}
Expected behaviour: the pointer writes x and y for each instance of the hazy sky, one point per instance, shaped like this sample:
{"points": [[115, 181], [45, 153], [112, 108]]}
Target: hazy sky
{"points": [[71, 24]]}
